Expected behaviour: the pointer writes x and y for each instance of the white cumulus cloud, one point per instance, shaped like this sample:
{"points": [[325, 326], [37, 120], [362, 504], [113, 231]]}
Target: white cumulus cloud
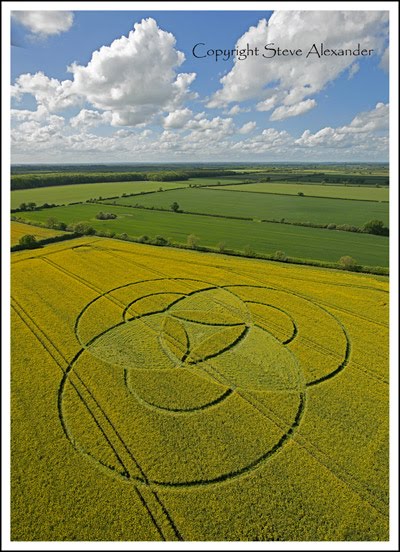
{"points": [[26, 115], [50, 93], [210, 130], [45, 23], [44, 137], [89, 118], [135, 78], [177, 118], [365, 128], [235, 109], [369, 121], [248, 127], [285, 111], [288, 80], [267, 104]]}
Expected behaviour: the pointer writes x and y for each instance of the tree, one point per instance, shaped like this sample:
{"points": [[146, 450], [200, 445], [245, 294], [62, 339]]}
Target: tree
{"points": [[175, 206], [160, 240], [249, 251], [376, 227], [192, 241], [221, 246], [31, 206], [347, 263], [105, 216], [280, 256], [52, 222], [28, 241], [23, 206], [83, 228], [301, 194]]}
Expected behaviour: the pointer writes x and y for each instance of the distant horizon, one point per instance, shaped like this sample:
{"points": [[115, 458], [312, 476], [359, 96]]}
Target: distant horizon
{"points": [[204, 163]]}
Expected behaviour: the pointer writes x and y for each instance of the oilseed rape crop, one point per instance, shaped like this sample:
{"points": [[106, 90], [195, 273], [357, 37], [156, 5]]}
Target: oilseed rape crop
{"points": [[19, 229], [167, 395]]}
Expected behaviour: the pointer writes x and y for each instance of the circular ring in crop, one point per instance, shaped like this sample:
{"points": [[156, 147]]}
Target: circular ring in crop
{"points": [[192, 357]]}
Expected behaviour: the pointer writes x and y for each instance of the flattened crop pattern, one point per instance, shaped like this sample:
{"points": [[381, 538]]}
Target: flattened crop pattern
{"points": [[188, 383]]}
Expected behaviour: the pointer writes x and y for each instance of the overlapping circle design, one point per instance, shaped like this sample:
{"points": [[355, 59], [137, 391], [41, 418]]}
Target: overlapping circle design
{"points": [[176, 354]]}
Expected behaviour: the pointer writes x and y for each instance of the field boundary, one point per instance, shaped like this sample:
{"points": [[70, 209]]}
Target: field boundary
{"points": [[45, 241], [321, 226], [216, 188], [363, 269]]}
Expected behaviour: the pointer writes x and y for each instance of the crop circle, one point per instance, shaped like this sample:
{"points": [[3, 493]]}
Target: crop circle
{"points": [[186, 348]]}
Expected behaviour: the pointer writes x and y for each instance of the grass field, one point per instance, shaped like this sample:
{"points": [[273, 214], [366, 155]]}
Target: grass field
{"points": [[19, 229], [309, 243], [81, 192], [210, 181], [165, 395], [318, 176], [61, 195], [304, 169], [344, 192], [266, 206]]}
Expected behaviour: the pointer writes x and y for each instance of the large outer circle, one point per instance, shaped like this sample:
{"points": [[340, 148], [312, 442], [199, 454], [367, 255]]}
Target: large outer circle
{"points": [[186, 483]]}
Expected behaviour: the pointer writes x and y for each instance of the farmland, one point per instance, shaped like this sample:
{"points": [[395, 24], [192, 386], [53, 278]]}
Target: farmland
{"points": [[61, 195], [348, 170], [261, 207], [160, 394], [265, 206], [19, 229], [309, 243], [81, 192], [363, 193]]}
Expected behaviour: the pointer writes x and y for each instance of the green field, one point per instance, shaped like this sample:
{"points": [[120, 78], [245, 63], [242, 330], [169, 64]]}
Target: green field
{"points": [[213, 180], [344, 192], [264, 206], [81, 192], [303, 242], [321, 176], [340, 169]]}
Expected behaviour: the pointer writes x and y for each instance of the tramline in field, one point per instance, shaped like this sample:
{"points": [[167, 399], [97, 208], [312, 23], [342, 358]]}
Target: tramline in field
{"points": [[235, 388]]}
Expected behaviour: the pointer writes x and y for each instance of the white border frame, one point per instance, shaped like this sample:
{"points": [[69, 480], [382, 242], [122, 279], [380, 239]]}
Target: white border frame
{"points": [[392, 7]]}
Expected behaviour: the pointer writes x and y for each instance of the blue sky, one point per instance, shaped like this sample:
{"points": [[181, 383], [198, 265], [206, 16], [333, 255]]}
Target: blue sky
{"points": [[125, 86]]}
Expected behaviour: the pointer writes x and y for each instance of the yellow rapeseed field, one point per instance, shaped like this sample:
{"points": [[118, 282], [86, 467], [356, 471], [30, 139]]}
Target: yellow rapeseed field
{"points": [[19, 229], [167, 395]]}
